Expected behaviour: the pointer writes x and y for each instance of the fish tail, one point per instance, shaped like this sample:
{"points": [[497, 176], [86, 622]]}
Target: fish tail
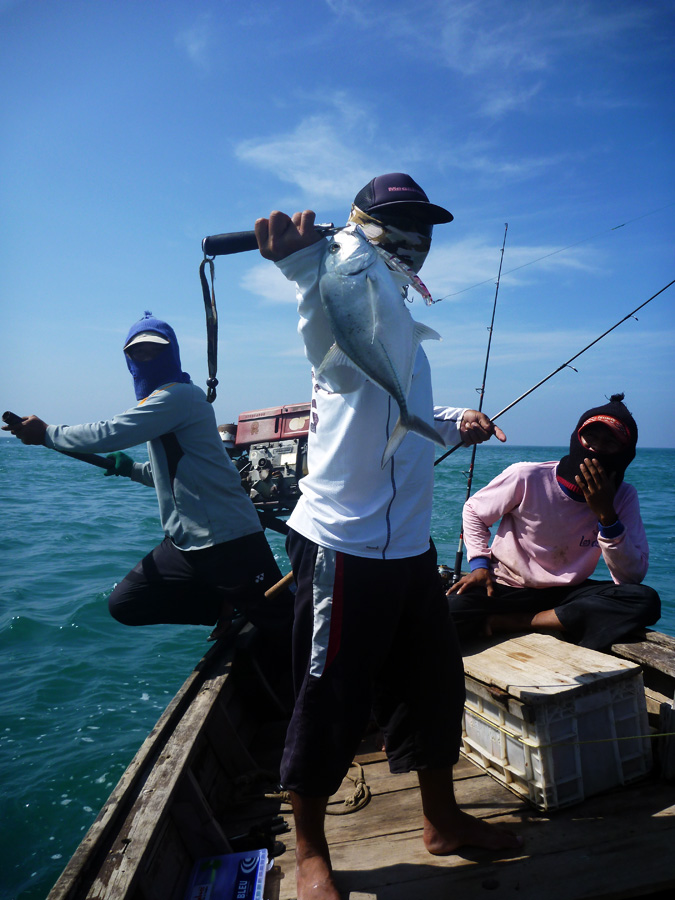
{"points": [[402, 427]]}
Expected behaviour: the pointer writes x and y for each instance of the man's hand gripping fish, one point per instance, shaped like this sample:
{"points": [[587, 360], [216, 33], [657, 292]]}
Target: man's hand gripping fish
{"points": [[373, 329]]}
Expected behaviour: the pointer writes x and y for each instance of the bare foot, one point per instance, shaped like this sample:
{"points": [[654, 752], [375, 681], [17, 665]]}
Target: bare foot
{"points": [[462, 830], [314, 879]]}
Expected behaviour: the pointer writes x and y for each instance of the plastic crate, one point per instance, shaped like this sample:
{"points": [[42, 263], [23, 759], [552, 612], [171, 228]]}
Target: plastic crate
{"points": [[553, 722]]}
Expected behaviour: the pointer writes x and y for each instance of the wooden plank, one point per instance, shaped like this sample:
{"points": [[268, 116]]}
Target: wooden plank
{"points": [[539, 665], [656, 655], [615, 844], [137, 837], [94, 846], [596, 870]]}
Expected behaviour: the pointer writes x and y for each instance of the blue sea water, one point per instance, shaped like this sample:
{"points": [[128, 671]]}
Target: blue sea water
{"points": [[80, 692]]}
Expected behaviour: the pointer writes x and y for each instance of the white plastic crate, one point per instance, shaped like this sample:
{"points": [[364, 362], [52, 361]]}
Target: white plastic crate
{"points": [[553, 722]]}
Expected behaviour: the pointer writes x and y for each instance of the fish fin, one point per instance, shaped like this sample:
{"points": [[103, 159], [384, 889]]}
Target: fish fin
{"points": [[424, 333], [417, 426], [335, 357], [394, 442]]}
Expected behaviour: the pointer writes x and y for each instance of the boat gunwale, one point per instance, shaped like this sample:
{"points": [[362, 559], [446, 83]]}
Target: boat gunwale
{"points": [[88, 858]]}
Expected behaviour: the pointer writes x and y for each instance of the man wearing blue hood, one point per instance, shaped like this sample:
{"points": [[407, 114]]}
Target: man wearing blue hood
{"points": [[214, 557]]}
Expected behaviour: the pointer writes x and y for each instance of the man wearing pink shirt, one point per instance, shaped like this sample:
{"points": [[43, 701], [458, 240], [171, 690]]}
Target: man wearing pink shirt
{"points": [[557, 519]]}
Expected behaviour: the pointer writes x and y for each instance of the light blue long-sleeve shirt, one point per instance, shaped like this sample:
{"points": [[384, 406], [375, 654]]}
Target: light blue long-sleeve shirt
{"points": [[201, 501]]}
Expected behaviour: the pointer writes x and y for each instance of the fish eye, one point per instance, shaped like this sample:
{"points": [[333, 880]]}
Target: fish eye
{"points": [[334, 248]]}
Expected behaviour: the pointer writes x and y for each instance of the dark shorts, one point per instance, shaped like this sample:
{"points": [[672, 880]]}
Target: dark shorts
{"points": [[189, 587], [370, 637]]}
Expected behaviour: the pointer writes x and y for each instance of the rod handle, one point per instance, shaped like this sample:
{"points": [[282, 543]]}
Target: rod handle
{"points": [[234, 242], [240, 241], [10, 418]]}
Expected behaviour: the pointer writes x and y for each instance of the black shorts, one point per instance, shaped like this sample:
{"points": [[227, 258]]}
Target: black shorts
{"points": [[370, 637], [190, 586]]}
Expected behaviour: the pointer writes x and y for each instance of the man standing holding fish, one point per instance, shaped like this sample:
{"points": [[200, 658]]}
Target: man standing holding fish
{"points": [[372, 631]]}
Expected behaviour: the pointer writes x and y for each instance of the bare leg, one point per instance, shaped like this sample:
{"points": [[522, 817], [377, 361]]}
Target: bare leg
{"points": [[446, 827], [313, 871], [507, 623]]}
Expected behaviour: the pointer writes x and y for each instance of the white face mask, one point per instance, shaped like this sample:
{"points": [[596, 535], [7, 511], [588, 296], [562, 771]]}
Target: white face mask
{"points": [[408, 246]]}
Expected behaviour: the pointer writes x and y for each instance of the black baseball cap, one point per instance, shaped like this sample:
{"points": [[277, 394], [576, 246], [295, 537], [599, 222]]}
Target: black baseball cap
{"points": [[398, 194]]}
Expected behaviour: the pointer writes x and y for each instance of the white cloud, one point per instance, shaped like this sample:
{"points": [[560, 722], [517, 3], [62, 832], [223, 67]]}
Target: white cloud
{"points": [[483, 158], [330, 155], [505, 101], [455, 268], [498, 47], [320, 156], [354, 9], [195, 40], [265, 280]]}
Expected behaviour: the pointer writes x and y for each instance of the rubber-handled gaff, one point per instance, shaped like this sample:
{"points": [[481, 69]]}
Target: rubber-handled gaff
{"points": [[10, 418], [240, 241], [234, 242]]}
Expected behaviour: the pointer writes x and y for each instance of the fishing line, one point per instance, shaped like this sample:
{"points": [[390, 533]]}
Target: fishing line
{"points": [[481, 390], [630, 315], [561, 250]]}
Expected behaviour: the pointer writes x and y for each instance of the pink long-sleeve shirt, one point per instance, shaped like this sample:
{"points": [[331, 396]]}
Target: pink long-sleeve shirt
{"points": [[547, 539]]}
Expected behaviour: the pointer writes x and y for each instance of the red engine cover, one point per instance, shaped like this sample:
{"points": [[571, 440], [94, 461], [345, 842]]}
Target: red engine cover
{"points": [[276, 423]]}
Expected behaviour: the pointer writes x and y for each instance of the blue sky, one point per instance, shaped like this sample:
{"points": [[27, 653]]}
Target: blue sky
{"points": [[130, 130]]}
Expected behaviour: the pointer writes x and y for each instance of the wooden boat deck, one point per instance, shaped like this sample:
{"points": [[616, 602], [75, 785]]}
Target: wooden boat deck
{"points": [[615, 845], [203, 783]]}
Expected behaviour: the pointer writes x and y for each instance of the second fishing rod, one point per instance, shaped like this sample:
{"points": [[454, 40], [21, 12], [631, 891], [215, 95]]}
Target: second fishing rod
{"points": [[481, 391], [566, 364]]}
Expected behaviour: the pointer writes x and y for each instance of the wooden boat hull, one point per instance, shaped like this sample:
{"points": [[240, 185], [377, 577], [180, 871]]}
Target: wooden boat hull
{"points": [[204, 782], [185, 782]]}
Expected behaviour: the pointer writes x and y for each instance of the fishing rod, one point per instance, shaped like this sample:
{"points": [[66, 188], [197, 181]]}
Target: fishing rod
{"points": [[481, 390], [10, 418], [631, 315], [560, 250]]}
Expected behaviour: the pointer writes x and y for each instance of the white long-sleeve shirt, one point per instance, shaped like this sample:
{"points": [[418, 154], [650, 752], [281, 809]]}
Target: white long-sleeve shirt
{"points": [[546, 538], [349, 503]]}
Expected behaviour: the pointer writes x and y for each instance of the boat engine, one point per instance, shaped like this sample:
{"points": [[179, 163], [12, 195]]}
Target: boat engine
{"points": [[269, 448]]}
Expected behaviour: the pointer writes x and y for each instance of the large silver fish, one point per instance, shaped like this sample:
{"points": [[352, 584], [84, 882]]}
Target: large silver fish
{"points": [[373, 329]]}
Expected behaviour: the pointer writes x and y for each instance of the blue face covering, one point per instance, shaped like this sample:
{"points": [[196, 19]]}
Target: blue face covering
{"points": [[164, 368]]}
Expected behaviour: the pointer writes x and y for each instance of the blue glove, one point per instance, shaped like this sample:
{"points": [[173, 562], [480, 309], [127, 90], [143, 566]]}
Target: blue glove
{"points": [[123, 464]]}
